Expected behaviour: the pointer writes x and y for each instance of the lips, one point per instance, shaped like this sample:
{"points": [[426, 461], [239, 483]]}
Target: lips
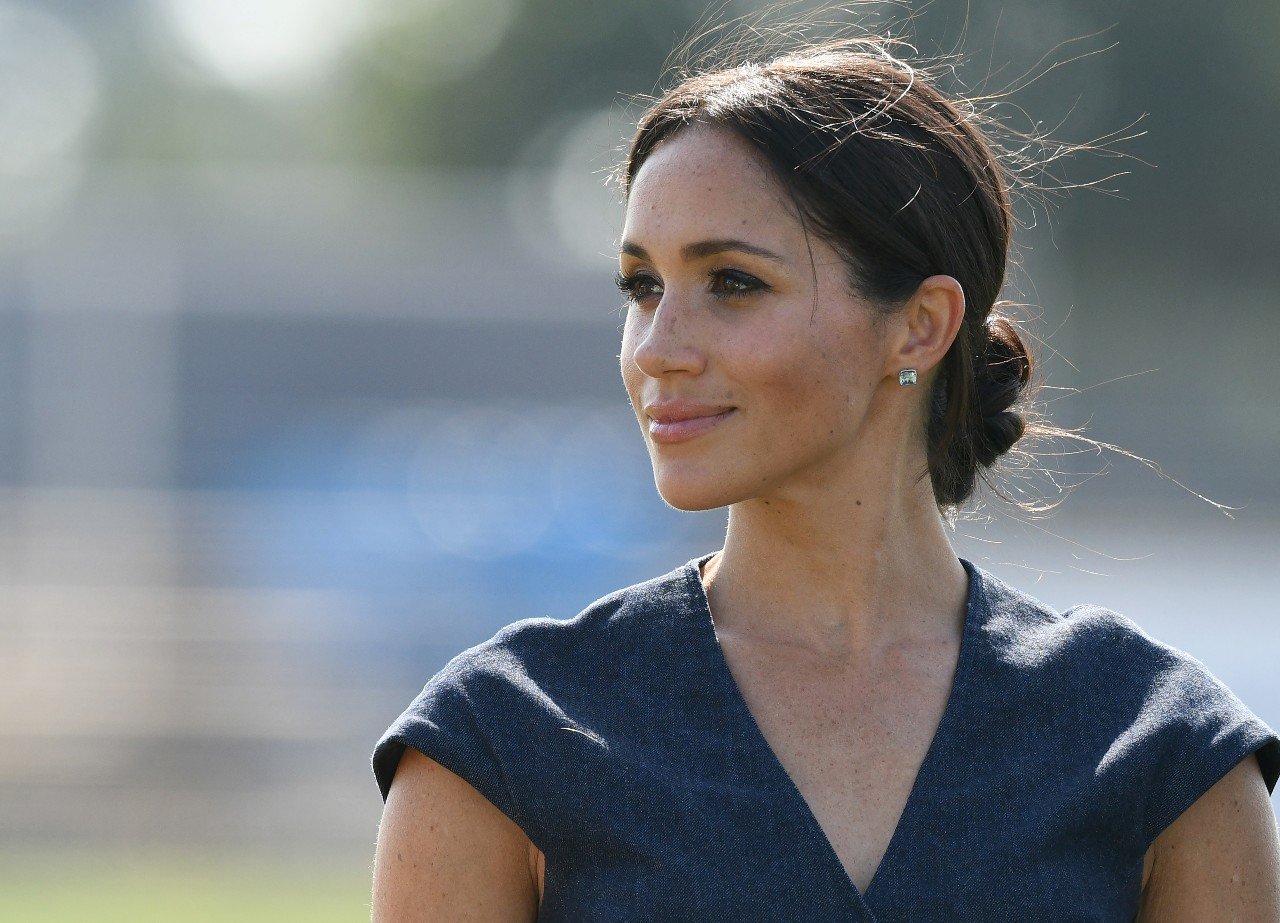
{"points": [[677, 422], [674, 411]]}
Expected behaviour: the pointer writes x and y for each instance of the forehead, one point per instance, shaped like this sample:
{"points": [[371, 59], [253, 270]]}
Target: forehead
{"points": [[708, 180]]}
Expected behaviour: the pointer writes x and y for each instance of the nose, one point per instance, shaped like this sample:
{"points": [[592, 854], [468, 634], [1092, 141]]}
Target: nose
{"points": [[665, 341]]}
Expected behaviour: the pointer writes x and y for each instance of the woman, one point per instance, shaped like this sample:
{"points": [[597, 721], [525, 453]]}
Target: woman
{"points": [[833, 717]]}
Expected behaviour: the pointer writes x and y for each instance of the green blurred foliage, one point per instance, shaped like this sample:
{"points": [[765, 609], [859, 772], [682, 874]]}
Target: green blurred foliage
{"points": [[1206, 79], [63, 888], [1173, 251]]}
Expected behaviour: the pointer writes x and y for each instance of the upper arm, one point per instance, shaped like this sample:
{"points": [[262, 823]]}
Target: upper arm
{"points": [[1220, 860], [446, 853]]}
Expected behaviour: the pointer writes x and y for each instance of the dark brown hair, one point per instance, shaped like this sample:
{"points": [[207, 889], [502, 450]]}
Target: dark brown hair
{"points": [[901, 181]]}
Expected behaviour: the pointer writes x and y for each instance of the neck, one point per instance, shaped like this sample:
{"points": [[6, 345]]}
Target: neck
{"points": [[847, 575]]}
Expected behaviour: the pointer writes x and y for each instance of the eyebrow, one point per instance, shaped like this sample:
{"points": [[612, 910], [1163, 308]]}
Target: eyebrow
{"points": [[704, 248]]}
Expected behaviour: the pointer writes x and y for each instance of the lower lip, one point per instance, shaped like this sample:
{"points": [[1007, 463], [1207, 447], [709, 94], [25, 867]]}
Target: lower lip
{"points": [[684, 429]]}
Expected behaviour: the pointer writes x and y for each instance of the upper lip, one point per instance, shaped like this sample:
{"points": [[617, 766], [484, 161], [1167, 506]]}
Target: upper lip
{"points": [[675, 411]]}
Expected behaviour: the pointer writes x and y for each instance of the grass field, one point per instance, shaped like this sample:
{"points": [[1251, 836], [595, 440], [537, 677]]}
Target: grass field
{"points": [[181, 888]]}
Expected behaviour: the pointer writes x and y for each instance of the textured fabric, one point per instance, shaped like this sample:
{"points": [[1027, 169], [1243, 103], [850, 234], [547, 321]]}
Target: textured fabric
{"points": [[619, 742]]}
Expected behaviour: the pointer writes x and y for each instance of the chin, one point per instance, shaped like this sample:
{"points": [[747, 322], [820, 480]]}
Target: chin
{"points": [[694, 494]]}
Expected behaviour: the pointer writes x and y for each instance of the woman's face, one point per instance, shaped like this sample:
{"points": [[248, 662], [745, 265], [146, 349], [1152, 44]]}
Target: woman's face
{"points": [[732, 307]]}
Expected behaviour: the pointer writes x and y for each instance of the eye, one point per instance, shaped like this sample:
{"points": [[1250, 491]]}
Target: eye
{"points": [[637, 286], [733, 283]]}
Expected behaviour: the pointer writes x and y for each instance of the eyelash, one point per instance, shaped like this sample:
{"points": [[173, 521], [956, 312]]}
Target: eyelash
{"points": [[630, 285]]}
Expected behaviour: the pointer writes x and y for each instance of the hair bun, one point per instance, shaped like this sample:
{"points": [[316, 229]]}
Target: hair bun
{"points": [[1000, 380]]}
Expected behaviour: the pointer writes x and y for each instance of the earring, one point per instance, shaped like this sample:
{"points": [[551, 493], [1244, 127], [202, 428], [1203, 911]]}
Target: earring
{"points": [[907, 377]]}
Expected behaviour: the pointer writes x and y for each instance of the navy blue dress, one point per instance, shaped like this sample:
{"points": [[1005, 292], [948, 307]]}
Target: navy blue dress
{"points": [[619, 742]]}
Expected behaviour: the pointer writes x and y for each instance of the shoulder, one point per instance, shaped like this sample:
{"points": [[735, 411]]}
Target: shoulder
{"points": [[1098, 649], [477, 713], [542, 646], [1030, 633], [1151, 722]]}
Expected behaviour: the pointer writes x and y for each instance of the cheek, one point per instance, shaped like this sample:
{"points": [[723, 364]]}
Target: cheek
{"points": [[803, 375], [810, 391], [632, 377]]}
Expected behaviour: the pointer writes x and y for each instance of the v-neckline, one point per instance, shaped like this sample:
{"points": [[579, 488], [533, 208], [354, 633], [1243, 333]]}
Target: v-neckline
{"points": [[957, 696]]}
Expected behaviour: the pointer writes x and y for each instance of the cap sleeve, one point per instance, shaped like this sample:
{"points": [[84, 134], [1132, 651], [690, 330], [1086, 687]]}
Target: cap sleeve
{"points": [[449, 721], [1201, 730]]}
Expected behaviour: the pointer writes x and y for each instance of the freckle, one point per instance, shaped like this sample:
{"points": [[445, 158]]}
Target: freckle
{"points": [[859, 502], [399, 858]]}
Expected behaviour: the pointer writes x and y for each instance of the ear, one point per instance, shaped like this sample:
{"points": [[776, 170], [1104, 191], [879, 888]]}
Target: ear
{"points": [[927, 326]]}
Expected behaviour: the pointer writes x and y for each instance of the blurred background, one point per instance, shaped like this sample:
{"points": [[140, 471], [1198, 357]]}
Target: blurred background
{"points": [[308, 381]]}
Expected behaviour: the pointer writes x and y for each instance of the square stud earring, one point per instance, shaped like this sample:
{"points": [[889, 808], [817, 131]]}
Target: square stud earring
{"points": [[907, 377]]}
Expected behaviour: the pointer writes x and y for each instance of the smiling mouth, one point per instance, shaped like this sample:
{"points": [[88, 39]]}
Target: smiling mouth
{"points": [[680, 430]]}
